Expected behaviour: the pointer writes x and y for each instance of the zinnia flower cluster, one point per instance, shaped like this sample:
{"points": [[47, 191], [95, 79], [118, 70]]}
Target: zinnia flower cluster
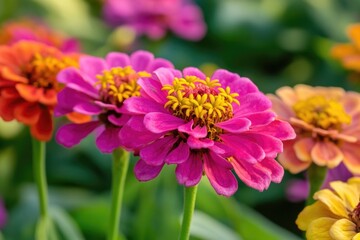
{"points": [[98, 89], [327, 123], [336, 213], [28, 85], [154, 17], [205, 125], [35, 30]]}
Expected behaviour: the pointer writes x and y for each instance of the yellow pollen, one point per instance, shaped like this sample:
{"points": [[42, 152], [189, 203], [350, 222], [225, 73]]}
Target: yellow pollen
{"points": [[203, 101], [322, 112], [42, 70], [118, 84]]}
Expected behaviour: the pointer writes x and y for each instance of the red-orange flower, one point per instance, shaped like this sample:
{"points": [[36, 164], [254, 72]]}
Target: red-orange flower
{"points": [[28, 85], [349, 53], [35, 30]]}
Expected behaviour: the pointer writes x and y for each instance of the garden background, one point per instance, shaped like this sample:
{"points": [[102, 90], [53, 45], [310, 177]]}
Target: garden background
{"points": [[273, 42]]}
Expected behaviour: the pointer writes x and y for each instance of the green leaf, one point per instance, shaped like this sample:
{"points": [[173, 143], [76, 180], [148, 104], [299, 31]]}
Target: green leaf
{"points": [[206, 227], [67, 227]]}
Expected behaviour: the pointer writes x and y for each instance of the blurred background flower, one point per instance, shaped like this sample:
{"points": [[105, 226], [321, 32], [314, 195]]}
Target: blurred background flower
{"points": [[3, 214]]}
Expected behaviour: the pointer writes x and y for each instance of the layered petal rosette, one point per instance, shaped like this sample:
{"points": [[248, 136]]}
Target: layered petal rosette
{"points": [[35, 30], [28, 85], [154, 17], [327, 122], [205, 125], [335, 215], [98, 89]]}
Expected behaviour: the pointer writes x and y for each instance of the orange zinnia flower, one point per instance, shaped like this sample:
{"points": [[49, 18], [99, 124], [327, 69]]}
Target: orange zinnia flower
{"points": [[327, 123], [28, 85], [349, 53]]}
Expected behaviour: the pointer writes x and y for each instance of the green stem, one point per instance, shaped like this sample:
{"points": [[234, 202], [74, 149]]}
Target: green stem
{"points": [[40, 175], [316, 176], [119, 170], [189, 206]]}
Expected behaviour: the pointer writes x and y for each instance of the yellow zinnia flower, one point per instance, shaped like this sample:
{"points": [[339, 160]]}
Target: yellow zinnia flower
{"points": [[335, 215]]}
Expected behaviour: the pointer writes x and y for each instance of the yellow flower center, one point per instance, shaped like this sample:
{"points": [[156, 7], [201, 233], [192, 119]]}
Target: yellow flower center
{"points": [[203, 101], [42, 70], [321, 112], [118, 84]]}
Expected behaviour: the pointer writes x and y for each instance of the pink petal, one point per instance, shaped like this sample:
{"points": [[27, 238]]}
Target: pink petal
{"points": [[152, 88], [191, 71], [88, 108], [260, 118], [235, 125], [278, 129], [250, 175], [156, 152], [141, 105], [115, 59], [67, 99], [119, 121], [141, 60], [289, 160], [195, 143], [158, 122], [145, 172], [92, 66], [160, 62], [275, 169], [189, 173], [179, 154], [249, 151], [282, 110], [326, 154], [222, 179], [303, 148], [272, 146], [197, 132], [73, 79], [240, 85], [351, 157], [108, 140], [165, 75], [72, 134], [251, 103]]}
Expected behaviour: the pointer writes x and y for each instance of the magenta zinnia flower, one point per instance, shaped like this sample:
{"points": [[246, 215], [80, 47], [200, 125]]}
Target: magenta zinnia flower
{"points": [[154, 17], [98, 89], [206, 126]]}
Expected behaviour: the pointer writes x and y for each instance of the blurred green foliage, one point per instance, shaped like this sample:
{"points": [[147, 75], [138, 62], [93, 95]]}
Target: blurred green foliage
{"points": [[273, 42]]}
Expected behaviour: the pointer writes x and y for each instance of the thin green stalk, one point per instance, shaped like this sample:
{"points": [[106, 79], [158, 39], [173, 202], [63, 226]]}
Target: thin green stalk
{"points": [[119, 171], [40, 175], [316, 175], [189, 206]]}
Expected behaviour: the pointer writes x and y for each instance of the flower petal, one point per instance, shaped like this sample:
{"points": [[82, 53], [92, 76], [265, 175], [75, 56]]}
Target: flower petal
{"points": [[351, 157], [303, 148], [289, 159], [326, 154], [92, 66], [195, 143], [158, 122], [72, 134], [155, 153], [145, 172], [68, 98], [278, 129], [343, 229], [274, 168], [158, 63], [332, 201], [197, 132], [42, 130], [152, 89], [165, 75], [235, 125], [27, 112], [141, 105], [179, 154], [189, 173], [109, 139], [116, 59], [141, 60], [221, 178], [319, 229], [88, 108], [252, 103], [192, 71]]}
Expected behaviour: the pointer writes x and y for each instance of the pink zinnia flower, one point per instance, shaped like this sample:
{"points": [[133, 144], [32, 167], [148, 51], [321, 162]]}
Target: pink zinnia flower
{"points": [[206, 126], [36, 30], [98, 89], [327, 122], [154, 17]]}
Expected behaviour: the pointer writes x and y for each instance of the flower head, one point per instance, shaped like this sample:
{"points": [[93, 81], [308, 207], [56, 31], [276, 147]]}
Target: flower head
{"points": [[205, 125], [326, 120], [98, 89], [154, 17], [335, 213], [28, 85], [37, 31], [348, 53]]}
